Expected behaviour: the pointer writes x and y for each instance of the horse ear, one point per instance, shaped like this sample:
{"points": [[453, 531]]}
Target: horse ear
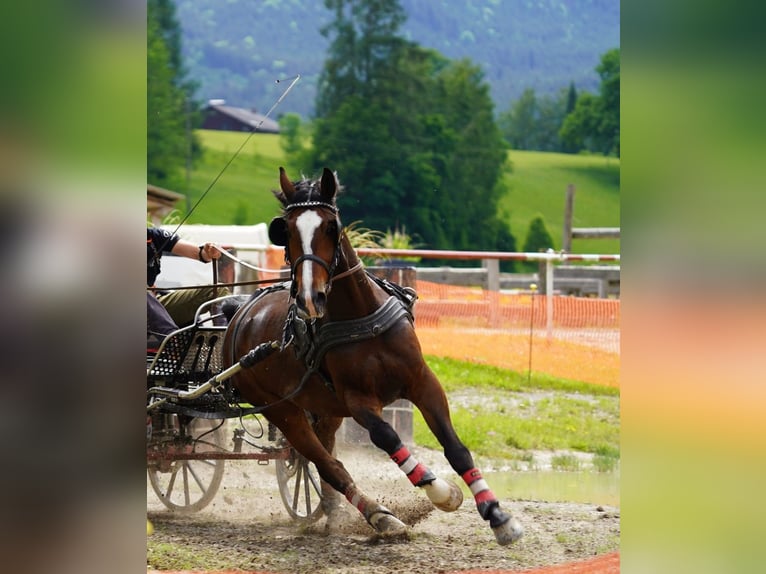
{"points": [[328, 186], [278, 231], [287, 186]]}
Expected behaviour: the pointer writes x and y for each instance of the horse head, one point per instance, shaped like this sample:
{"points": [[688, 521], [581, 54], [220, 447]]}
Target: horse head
{"points": [[309, 229]]}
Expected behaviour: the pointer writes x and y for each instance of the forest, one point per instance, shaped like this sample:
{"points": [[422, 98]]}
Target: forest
{"points": [[236, 50], [413, 132]]}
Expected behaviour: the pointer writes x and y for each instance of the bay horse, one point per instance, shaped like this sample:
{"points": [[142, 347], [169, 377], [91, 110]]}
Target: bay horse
{"points": [[354, 351]]}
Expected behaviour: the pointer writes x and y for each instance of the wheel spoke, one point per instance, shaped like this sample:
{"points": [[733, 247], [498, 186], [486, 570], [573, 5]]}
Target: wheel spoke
{"points": [[196, 478], [186, 484], [297, 490], [314, 482], [172, 482], [307, 491]]}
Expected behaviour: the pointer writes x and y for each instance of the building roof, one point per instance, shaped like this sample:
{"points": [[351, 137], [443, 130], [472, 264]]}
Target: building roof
{"points": [[258, 122], [160, 202], [162, 195]]}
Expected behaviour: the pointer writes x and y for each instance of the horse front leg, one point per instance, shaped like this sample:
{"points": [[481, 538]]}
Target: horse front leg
{"points": [[432, 403]]}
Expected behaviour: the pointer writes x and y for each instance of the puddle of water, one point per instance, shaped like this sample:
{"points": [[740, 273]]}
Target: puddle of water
{"points": [[557, 486]]}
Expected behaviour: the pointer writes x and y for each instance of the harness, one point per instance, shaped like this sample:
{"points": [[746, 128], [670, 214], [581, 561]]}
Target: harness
{"points": [[311, 342]]}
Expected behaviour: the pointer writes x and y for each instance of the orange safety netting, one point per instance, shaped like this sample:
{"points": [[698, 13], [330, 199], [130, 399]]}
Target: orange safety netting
{"points": [[581, 342]]}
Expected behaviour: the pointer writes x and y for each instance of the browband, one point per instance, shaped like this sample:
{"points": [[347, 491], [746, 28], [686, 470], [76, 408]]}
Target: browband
{"points": [[329, 206]]}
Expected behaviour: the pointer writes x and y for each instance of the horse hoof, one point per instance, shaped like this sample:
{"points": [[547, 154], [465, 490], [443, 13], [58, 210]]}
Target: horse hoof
{"points": [[508, 532], [444, 494], [387, 523]]}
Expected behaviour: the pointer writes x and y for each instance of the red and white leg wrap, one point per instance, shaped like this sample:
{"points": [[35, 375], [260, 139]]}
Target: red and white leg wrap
{"points": [[479, 488], [355, 497], [417, 473]]}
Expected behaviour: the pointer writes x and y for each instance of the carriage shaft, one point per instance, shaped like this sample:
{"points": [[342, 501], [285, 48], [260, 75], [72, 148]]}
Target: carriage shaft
{"points": [[281, 454]]}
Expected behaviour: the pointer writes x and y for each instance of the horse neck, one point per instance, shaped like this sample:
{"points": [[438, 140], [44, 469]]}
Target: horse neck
{"points": [[354, 295]]}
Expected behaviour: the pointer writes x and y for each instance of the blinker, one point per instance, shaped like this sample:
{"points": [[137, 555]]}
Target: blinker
{"points": [[278, 231]]}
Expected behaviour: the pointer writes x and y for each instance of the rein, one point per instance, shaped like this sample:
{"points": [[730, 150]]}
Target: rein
{"points": [[348, 272], [232, 284]]}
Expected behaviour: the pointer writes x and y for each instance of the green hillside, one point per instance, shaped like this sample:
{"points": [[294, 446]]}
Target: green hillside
{"points": [[242, 194], [537, 184]]}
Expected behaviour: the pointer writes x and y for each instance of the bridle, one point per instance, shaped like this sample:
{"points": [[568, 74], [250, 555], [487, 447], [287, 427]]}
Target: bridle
{"points": [[329, 268]]}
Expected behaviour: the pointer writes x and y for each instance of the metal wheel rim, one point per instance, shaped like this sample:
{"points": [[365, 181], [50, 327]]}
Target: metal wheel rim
{"points": [[190, 485]]}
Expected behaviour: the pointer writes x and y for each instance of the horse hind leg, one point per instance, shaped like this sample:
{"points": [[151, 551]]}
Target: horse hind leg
{"points": [[443, 494]]}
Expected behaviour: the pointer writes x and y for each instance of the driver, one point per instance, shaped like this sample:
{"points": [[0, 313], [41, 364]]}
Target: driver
{"points": [[167, 312]]}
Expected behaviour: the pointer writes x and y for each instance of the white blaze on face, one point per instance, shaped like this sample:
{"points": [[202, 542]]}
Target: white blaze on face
{"points": [[307, 224]]}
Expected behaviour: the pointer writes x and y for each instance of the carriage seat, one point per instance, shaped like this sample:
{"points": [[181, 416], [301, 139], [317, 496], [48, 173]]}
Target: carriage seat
{"points": [[191, 354], [187, 357]]}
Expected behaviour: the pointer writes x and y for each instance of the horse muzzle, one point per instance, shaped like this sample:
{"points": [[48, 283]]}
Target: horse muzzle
{"points": [[312, 307], [310, 291]]}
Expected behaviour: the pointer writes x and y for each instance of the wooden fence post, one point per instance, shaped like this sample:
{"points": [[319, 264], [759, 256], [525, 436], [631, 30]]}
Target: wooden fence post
{"points": [[566, 240]]}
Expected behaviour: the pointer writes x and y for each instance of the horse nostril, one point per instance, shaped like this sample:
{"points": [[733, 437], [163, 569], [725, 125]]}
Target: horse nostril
{"points": [[311, 307]]}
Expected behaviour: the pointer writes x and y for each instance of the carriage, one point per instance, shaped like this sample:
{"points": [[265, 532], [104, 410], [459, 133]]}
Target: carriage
{"points": [[193, 429]]}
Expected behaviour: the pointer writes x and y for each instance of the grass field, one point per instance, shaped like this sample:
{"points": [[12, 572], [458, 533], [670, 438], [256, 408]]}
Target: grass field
{"points": [[242, 194], [536, 182], [510, 414]]}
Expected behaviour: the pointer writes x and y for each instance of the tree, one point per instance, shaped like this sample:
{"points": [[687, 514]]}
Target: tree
{"points": [[609, 124], [170, 107], [364, 37], [410, 132], [534, 123], [292, 137], [580, 128], [476, 160], [519, 122], [571, 99], [594, 124], [551, 114], [538, 240]]}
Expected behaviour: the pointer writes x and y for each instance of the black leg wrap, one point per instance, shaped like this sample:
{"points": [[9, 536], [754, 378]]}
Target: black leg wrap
{"points": [[428, 478], [491, 511]]}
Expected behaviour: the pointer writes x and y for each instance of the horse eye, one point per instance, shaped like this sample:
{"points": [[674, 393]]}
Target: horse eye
{"points": [[332, 228]]}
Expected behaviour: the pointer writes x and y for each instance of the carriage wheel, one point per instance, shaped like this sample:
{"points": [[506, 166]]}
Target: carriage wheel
{"points": [[299, 486], [188, 485]]}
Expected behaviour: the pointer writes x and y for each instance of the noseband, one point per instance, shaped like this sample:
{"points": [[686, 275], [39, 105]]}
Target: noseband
{"points": [[330, 269]]}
